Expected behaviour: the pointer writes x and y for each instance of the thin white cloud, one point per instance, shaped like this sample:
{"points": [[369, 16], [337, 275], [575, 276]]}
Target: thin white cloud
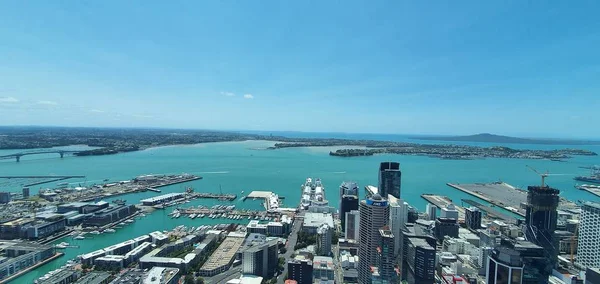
{"points": [[142, 116], [227, 94], [96, 111], [48, 103], [248, 96], [8, 100]]}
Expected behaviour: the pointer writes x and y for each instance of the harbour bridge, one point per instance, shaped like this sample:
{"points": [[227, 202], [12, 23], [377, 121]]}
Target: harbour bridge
{"points": [[18, 156]]}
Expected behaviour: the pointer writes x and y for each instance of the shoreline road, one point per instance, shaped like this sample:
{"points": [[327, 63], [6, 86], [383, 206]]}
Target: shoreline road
{"points": [[291, 243]]}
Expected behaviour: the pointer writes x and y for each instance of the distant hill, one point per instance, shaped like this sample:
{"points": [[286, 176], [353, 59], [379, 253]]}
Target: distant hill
{"points": [[492, 138]]}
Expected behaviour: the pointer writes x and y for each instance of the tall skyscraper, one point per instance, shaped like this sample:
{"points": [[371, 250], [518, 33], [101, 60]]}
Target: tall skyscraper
{"points": [[390, 179], [540, 220], [349, 188], [352, 225], [324, 234], [374, 215], [386, 256], [398, 217], [446, 227], [300, 269], [420, 259], [347, 204], [431, 211], [504, 266], [449, 212], [473, 218], [588, 247]]}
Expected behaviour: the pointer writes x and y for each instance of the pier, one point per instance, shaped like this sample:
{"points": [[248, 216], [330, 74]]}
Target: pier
{"points": [[138, 184], [593, 189], [443, 201], [489, 211], [498, 193]]}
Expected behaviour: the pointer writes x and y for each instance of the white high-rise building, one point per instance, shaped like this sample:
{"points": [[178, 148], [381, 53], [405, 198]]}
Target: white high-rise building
{"points": [[589, 233], [398, 217], [324, 234], [431, 211], [449, 212], [374, 215]]}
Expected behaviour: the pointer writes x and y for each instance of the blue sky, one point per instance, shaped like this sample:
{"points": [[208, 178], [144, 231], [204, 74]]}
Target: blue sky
{"points": [[521, 68]]}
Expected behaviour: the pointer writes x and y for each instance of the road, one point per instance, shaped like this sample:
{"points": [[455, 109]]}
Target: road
{"points": [[235, 272], [291, 243]]}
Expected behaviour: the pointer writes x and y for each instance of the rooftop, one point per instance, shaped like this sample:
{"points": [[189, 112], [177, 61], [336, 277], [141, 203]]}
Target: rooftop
{"points": [[317, 219], [160, 275], [224, 253], [323, 262]]}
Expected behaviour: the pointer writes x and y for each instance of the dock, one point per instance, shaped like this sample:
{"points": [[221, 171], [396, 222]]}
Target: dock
{"points": [[595, 190], [489, 211], [497, 193], [442, 201]]}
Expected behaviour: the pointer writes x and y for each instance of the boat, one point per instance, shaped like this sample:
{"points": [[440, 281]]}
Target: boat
{"points": [[105, 179], [110, 230], [129, 221], [594, 176], [192, 216], [177, 215], [79, 237], [122, 224], [62, 245], [95, 232]]}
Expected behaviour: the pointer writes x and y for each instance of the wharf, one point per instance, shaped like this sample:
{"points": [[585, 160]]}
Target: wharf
{"points": [[497, 193], [443, 201], [127, 187], [595, 190], [489, 211], [244, 213], [223, 197], [24, 271]]}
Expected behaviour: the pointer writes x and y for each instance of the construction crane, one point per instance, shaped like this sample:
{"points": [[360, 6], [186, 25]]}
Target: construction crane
{"points": [[543, 175], [573, 238]]}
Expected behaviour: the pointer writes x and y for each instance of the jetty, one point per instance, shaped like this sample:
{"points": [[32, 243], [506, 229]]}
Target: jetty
{"points": [[489, 211], [497, 193]]}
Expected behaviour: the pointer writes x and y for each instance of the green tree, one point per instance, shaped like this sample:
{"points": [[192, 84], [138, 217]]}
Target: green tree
{"points": [[189, 279]]}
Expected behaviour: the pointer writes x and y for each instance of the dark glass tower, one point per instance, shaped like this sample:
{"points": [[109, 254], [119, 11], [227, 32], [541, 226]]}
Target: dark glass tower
{"points": [[390, 178], [348, 200], [348, 203], [540, 220]]}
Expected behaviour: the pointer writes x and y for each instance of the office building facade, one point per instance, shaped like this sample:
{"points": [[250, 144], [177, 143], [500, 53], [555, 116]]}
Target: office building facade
{"points": [[473, 218], [541, 220], [398, 216], [347, 204], [446, 227], [352, 225], [390, 179], [324, 235], [387, 258], [431, 211], [504, 265], [300, 269], [420, 260], [260, 259], [374, 215], [588, 247]]}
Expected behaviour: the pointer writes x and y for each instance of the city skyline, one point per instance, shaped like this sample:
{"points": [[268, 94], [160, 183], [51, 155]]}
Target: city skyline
{"points": [[386, 67]]}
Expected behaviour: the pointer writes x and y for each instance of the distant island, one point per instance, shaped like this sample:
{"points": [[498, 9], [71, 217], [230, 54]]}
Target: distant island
{"points": [[500, 139], [111, 141]]}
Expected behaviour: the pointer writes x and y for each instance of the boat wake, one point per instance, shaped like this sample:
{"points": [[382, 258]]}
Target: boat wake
{"points": [[216, 173], [338, 172]]}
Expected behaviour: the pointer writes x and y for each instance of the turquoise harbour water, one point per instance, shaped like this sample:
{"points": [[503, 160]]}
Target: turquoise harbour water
{"points": [[237, 166]]}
